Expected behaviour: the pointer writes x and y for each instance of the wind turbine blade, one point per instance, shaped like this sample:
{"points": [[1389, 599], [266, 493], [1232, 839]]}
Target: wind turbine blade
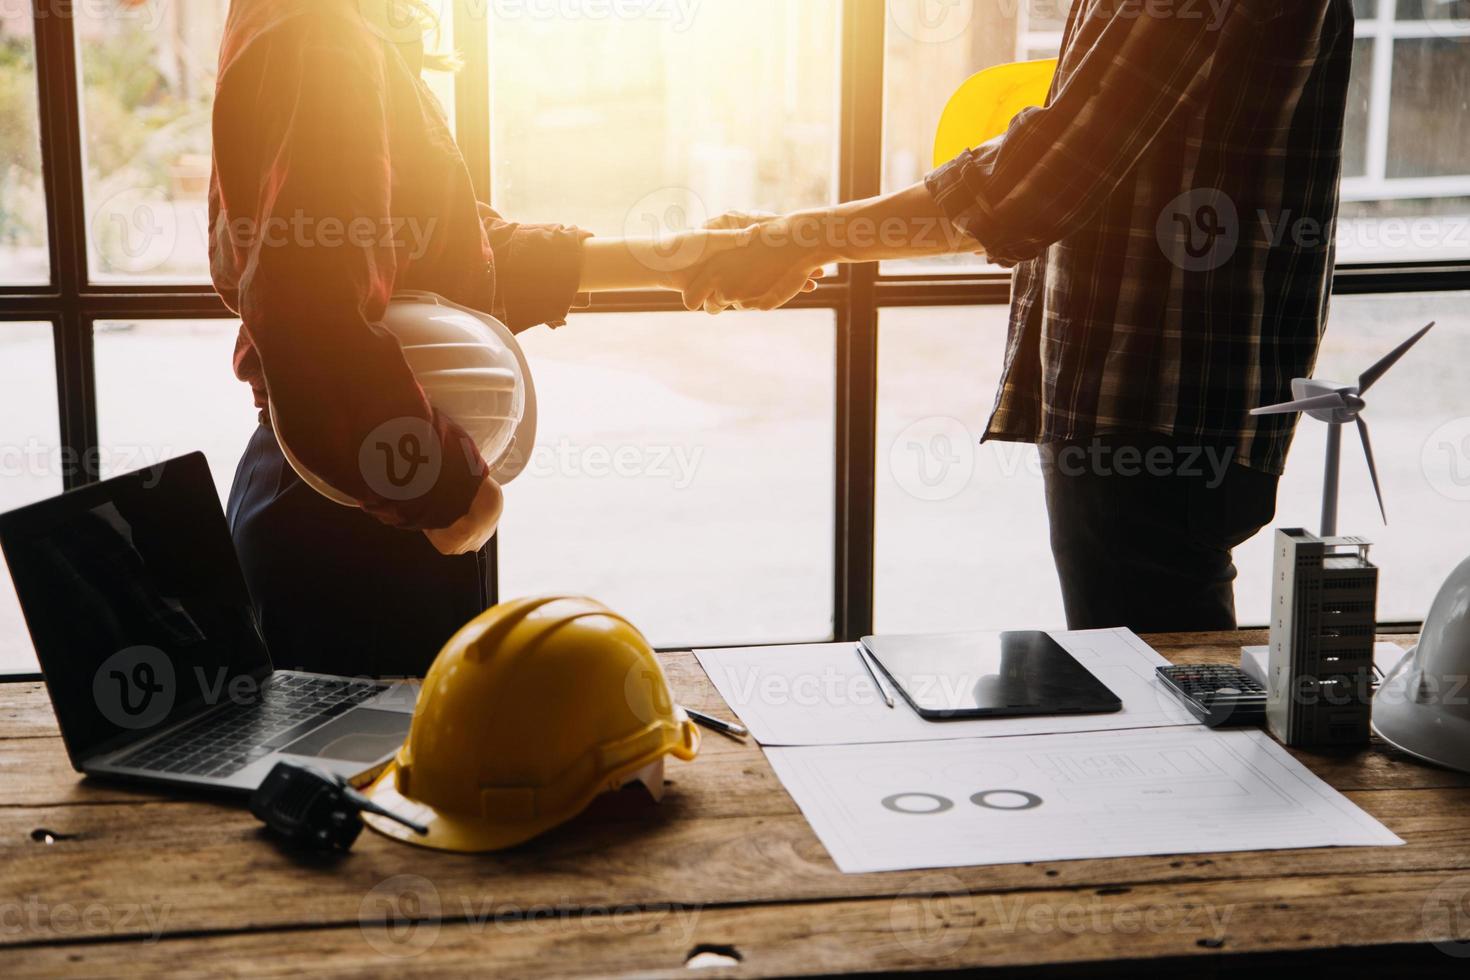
{"points": [[1372, 466], [1316, 403], [1370, 377]]}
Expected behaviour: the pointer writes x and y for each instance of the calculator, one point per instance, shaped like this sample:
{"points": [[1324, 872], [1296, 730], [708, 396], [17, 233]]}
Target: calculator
{"points": [[1219, 696]]}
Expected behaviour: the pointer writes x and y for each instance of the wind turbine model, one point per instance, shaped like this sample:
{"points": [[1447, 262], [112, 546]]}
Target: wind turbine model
{"points": [[1337, 405]]}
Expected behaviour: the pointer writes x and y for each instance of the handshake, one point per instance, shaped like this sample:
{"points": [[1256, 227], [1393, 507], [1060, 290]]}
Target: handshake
{"points": [[746, 261]]}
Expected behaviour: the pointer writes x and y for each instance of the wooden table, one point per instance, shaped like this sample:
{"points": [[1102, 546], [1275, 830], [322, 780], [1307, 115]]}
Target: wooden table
{"points": [[98, 878]]}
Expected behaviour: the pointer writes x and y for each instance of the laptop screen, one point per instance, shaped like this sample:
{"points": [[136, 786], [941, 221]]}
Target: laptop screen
{"points": [[135, 602]]}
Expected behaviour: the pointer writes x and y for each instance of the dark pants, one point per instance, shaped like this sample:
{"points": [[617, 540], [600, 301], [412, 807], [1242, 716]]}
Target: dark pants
{"points": [[338, 592], [1143, 526]]}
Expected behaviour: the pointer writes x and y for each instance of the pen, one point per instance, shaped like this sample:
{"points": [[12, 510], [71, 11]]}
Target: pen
{"points": [[730, 728], [882, 689]]}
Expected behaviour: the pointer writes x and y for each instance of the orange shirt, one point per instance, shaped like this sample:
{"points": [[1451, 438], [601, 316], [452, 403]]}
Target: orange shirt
{"points": [[336, 184]]}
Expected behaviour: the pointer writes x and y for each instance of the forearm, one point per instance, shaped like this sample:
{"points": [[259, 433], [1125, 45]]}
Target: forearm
{"points": [[906, 224], [611, 264]]}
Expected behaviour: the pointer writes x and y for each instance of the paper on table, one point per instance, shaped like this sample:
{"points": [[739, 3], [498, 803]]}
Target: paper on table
{"points": [[961, 802], [821, 695]]}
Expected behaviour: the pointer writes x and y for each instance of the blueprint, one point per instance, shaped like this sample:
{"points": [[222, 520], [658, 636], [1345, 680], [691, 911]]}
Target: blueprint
{"points": [[1183, 790]]}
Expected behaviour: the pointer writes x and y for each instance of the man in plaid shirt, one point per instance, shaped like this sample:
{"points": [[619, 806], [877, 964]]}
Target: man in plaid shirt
{"points": [[1170, 214]]}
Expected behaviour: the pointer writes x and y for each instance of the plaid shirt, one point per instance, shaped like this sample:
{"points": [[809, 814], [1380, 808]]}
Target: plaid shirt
{"points": [[1171, 214]]}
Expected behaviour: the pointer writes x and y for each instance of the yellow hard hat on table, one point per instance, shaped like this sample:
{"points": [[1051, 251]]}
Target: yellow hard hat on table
{"points": [[985, 104], [529, 712]]}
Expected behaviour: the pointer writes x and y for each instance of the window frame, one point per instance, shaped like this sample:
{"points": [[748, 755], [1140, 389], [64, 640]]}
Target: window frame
{"points": [[856, 295]]}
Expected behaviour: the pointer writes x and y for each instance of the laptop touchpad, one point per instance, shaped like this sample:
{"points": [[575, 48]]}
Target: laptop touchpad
{"points": [[361, 735]]}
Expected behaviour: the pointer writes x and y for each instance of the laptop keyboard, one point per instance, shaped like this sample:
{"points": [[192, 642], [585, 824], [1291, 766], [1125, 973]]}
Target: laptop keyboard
{"points": [[226, 741]]}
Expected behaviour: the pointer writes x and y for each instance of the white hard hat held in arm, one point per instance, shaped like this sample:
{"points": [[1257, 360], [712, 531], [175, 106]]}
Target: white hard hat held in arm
{"points": [[472, 370]]}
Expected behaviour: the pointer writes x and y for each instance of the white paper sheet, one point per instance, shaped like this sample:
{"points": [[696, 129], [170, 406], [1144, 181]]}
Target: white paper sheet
{"points": [[901, 806], [821, 694]]}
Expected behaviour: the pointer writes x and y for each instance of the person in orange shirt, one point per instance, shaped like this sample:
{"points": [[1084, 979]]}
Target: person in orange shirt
{"points": [[336, 184]]}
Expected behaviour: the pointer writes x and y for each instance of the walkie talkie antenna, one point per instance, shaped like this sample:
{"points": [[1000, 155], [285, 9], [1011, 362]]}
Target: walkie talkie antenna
{"points": [[368, 806]]}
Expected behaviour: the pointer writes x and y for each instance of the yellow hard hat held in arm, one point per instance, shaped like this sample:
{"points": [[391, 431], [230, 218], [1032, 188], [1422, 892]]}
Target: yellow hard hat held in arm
{"points": [[985, 104], [529, 712]]}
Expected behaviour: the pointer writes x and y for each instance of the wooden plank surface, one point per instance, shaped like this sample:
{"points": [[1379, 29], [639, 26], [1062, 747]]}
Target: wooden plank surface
{"points": [[92, 873]]}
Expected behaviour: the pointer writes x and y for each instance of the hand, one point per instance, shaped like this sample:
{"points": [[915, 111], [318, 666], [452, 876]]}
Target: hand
{"points": [[769, 269], [737, 220], [471, 532]]}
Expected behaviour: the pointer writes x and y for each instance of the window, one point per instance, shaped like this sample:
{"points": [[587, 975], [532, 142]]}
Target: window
{"points": [[147, 84], [31, 460], [652, 117], [23, 258], [1406, 192], [819, 472], [931, 48], [1420, 422], [166, 388], [961, 528], [683, 474]]}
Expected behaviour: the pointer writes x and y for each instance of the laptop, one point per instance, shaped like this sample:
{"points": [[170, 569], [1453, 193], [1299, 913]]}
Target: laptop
{"points": [[152, 652]]}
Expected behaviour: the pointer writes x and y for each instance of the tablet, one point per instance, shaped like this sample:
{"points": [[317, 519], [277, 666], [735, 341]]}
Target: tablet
{"points": [[984, 675]]}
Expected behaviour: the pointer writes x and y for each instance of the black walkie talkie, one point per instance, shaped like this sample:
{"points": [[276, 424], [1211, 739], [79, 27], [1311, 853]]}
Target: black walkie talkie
{"points": [[315, 809]]}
